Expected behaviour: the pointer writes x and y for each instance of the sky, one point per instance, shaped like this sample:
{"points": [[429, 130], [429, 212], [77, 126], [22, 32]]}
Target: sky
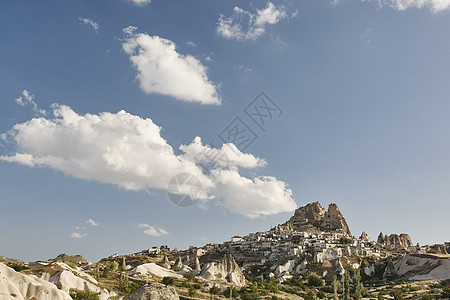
{"points": [[126, 124]]}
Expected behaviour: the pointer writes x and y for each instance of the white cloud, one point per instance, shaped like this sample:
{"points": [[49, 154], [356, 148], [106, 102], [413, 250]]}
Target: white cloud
{"points": [[257, 197], [128, 151], [27, 98], [78, 235], [190, 43], [152, 230], [140, 2], [90, 22], [243, 25], [228, 156], [434, 5], [162, 70], [92, 222], [120, 148]]}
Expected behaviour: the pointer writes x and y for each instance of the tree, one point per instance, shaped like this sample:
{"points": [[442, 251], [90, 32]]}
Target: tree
{"points": [[168, 280], [346, 292], [230, 292], [335, 287], [359, 288]]}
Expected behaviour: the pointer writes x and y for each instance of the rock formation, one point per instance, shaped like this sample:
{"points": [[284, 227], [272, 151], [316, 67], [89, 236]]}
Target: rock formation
{"points": [[197, 266], [364, 237], [395, 241], [18, 286], [154, 292], [165, 262], [314, 215], [178, 264], [418, 267], [225, 269]]}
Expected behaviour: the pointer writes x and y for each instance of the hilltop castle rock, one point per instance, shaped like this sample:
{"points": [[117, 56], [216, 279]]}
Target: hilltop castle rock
{"points": [[313, 215], [395, 241]]}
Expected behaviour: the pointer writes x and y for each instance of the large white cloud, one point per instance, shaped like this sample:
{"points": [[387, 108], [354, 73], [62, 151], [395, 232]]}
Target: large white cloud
{"points": [[244, 25], [120, 148], [162, 70], [128, 151]]}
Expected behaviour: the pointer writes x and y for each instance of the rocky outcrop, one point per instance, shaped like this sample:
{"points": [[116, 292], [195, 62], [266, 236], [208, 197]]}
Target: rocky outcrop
{"points": [[225, 269], [197, 266], [364, 237], [165, 262], [395, 241], [314, 215], [73, 279], [154, 269], [178, 264], [18, 286], [154, 292], [418, 267]]}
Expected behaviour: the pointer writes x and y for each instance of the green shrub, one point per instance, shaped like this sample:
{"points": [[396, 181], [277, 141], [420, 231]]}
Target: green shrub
{"points": [[445, 293], [17, 267], [189, 276], [168, 280], [84, 295], [315, 281], [215, 290], [130, 288]]}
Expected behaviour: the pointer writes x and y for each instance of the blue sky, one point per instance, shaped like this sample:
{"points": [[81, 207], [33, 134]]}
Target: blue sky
{"points": [[363, 87]]}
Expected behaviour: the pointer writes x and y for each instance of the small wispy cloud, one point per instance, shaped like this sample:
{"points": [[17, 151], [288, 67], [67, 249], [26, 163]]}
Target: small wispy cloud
{"points": [[243, 25], [92, 222], [190, 43], [152, 230], [90, 22], [27, 98], [78, 235], [140, 2]]}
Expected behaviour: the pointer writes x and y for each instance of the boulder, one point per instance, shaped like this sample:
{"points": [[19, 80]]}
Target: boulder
{"points": [[154, 292]]}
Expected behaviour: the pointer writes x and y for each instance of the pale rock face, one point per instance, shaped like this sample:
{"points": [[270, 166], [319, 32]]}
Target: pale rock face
{"points": [[154, 292], [369, 270], [185, 269], [155, 270], [419, 267], [302, 267], [328, 254], [285, 268], [73, 279], [225, 269], [27, 287]]}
